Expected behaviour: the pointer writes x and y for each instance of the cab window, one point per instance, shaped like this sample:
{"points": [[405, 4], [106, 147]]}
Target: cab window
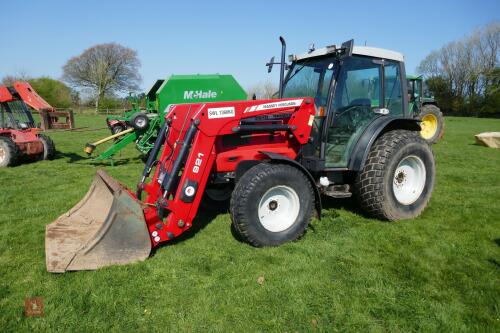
{"points": [[393, 96]]}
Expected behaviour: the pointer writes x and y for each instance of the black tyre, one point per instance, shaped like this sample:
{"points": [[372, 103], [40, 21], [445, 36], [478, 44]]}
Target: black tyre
{"points": [[49, 148], [9, 153], [432, 123], [217, 197], [397, 180], [117, 128], [139, 121], [272, 204]]}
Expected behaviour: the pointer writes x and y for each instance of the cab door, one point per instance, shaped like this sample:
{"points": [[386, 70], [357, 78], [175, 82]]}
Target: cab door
{"points": [[365, 89]]}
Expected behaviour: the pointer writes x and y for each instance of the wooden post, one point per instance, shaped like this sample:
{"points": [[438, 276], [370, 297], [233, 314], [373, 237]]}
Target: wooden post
{"points": [[45, 121], [71, 119]]}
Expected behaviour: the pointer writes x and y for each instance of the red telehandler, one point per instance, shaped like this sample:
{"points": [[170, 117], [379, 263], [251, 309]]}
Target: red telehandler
{"points": [[339, 128], [19, 137]]}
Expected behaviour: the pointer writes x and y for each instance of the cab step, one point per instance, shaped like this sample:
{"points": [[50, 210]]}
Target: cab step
{"points": [[338, 191]]}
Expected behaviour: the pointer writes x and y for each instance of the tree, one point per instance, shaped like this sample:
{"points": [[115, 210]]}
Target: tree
{"points": [[53, 91], [492, 93], [262, 90], [9, 80], [460, 73], [104, 69]]}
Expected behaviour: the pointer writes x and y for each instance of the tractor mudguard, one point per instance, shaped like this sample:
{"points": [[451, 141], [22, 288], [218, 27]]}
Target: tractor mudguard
{"points": [[284, 159], [106, 227], [372, 132]]}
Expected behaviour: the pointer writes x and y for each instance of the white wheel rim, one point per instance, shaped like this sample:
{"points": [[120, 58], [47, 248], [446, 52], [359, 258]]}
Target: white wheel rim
{"points": [[2, 154], [409, 180], [140, 122], [279, 208]]}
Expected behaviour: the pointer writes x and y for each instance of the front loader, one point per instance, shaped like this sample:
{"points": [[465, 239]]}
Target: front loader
{"points": [[332, 132]]}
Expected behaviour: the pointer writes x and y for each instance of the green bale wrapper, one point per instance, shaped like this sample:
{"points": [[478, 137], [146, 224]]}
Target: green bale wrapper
{"points": [[177, 89]]}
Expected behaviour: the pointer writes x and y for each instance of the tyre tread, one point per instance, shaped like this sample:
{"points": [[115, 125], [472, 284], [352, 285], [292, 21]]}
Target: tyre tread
{"points": [[51, 147], [369, 185], [14, 151]]}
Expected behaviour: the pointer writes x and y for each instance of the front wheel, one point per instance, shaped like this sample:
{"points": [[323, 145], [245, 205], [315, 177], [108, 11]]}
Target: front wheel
{"points": [[8, 152], [272, 204], [397, 180]]}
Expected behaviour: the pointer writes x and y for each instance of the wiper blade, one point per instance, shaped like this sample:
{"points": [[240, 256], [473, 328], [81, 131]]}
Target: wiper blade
{"points": [[298, 70]]}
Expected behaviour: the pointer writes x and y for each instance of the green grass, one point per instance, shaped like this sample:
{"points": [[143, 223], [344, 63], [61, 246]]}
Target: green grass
{"points": [[439, 272]]}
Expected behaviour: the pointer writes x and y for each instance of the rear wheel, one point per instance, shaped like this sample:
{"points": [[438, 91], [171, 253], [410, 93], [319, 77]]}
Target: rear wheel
{"points": [[8, 152], [397, 180], [217, 197], [49, 148], [432, 123], [272, 204]]}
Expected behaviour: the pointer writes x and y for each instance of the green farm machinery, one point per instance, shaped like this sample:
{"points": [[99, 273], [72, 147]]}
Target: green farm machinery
{"points": [[141, 126], [424, 107]]}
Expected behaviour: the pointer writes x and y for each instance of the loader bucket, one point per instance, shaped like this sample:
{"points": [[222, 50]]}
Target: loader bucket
{"points": [[105, 228]]}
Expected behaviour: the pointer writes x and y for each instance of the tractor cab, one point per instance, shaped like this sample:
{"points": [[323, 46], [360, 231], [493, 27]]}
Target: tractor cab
{"points": [[14, 114], [353, 87], [415, 95]]}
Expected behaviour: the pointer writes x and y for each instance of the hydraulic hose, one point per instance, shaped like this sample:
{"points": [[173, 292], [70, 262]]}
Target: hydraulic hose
{"points": [[162, 135]]}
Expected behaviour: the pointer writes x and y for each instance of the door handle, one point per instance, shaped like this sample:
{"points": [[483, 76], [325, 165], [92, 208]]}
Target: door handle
{"points": [[382, 111]]}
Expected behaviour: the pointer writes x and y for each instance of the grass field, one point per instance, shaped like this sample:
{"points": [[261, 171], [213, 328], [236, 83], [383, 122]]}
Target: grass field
{"points": [[439, 272]]}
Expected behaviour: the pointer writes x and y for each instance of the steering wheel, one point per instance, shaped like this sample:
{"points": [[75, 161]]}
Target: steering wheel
{"points": [[354, 114]]}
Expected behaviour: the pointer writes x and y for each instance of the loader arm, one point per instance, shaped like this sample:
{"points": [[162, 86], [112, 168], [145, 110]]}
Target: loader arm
{"points": [[192, 152], [31, 98]]}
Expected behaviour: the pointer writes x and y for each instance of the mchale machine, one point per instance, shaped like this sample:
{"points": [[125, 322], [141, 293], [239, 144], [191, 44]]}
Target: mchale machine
{"points": [[142, 126], [340, 127], [19, 137]]}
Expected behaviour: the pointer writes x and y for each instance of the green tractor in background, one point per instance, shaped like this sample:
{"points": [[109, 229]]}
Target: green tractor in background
{"points": [[142, 126], [424, 107]]}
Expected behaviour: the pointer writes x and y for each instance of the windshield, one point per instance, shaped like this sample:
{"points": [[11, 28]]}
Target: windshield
{"points": [[14, 115], [310, 77]]}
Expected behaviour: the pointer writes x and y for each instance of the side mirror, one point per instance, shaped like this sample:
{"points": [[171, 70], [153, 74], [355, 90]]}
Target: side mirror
{"points": [[270, 65], [347, 48]]}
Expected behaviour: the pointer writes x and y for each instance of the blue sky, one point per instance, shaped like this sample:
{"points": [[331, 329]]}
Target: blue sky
{"points": [[185, 37]]}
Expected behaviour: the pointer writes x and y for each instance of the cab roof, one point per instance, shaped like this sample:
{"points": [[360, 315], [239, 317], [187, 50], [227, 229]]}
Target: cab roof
{"points": [[360, 50]]}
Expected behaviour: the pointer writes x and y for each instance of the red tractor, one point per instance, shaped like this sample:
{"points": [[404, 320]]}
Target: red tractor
{"points": [[19, 137], [341, 127]]}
